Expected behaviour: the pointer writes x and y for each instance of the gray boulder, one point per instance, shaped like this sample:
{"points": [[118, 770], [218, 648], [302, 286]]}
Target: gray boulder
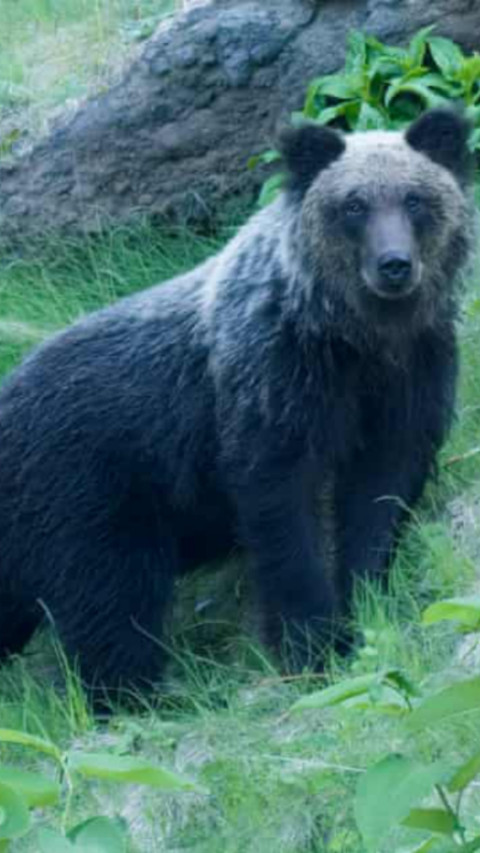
{"points": [[173, 138]]}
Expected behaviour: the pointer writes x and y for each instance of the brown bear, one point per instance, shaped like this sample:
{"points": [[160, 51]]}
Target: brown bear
{"points": [[318, 347]]}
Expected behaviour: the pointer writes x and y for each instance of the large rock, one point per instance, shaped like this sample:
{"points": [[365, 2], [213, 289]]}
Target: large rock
{"points": [[173, 138]]}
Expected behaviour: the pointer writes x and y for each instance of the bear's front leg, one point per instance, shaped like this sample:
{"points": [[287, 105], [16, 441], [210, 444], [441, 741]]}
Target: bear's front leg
{"points": [[279, 527], [404, 424], [372, 500]]}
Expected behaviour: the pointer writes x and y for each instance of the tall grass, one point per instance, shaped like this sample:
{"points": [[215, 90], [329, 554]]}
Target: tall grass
{"points": [[53, 53]]}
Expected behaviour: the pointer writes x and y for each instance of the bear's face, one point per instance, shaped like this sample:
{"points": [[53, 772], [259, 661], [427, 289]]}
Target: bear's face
{"points": [[385, 215]]}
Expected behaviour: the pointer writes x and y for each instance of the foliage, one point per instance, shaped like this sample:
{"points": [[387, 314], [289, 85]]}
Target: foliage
{"points": [[22, 790], [392, 791], [384, 87]]}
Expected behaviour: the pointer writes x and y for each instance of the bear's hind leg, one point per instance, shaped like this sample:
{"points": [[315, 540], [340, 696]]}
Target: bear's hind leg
{"points": [[17, 627], [111, 625]]}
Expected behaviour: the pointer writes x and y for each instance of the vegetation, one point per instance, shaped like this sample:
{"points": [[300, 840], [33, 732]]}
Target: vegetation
{"points": [[380, 754], [383, 87], [54, 53]]}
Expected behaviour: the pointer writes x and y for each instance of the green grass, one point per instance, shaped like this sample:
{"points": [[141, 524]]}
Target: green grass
{"points": [[275, 781], [54, 53]]}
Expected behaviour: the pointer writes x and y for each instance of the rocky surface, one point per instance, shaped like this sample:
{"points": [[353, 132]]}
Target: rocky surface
{"points": [[173, 137]]}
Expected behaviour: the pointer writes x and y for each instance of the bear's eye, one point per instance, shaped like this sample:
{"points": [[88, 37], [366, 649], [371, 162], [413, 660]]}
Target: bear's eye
{"points": [[413, 203], [355, 207]]}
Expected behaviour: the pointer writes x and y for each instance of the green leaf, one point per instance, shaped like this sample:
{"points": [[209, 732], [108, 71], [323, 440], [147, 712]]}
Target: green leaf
{"points": [[329, 114], [264, 157], [458, 698], [470, 71], [99, 835], [356, 55], [385, 68], [14, 816], [36, 790], [50, 841], [465, 610], [474, 141], [271, 189], [446, 55], [38, 743], [413, 87], [400, 680], [472, 846], [473, 114], [435, 820], [387, 793], [386, 51], [338, 86], [417, 46], [370, 118], [136, 771], [338, 693], [434, 845], [465, 774]]}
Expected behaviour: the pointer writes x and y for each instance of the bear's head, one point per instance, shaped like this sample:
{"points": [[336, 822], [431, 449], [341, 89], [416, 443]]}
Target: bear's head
{"points": [[385, 216]]}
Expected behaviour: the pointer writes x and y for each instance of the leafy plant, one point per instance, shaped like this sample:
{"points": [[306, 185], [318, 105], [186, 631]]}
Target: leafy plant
{"points": [[391, 793], [386, 87], [22, 790]]}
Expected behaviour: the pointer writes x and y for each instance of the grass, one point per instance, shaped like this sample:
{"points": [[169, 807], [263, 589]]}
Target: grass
{"points": [[276, 781], [54, 53]]}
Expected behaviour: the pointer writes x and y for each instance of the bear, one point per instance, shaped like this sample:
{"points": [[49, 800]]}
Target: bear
{"points": [[316, 351]]}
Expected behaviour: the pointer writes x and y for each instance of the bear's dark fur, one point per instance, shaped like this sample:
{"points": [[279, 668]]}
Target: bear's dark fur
{"points": [[317, 348]]}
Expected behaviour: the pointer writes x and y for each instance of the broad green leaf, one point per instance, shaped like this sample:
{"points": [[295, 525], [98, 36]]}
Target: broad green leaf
{"points": [[437, 82], [413, 87], [331, 113], [271, 189], [136, 771], [14, 816], [336, 86], [417, 46], [387, 51], [435, 820], [469, 73], [370, 118], [338, 693], [465, 774], [36, 790], [99, 835], [50, 841], [458, 698], [446, 55], [356, 55], [24, 739], [385, 68], [387, 793], [465, 610]]}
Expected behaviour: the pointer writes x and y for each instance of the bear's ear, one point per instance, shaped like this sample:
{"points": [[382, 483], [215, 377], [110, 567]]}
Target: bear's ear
{"points": [[306, 150], [442, 134]]}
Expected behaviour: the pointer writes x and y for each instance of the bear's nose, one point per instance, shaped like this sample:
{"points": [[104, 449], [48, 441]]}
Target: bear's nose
{"points": [[395, 269]]}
